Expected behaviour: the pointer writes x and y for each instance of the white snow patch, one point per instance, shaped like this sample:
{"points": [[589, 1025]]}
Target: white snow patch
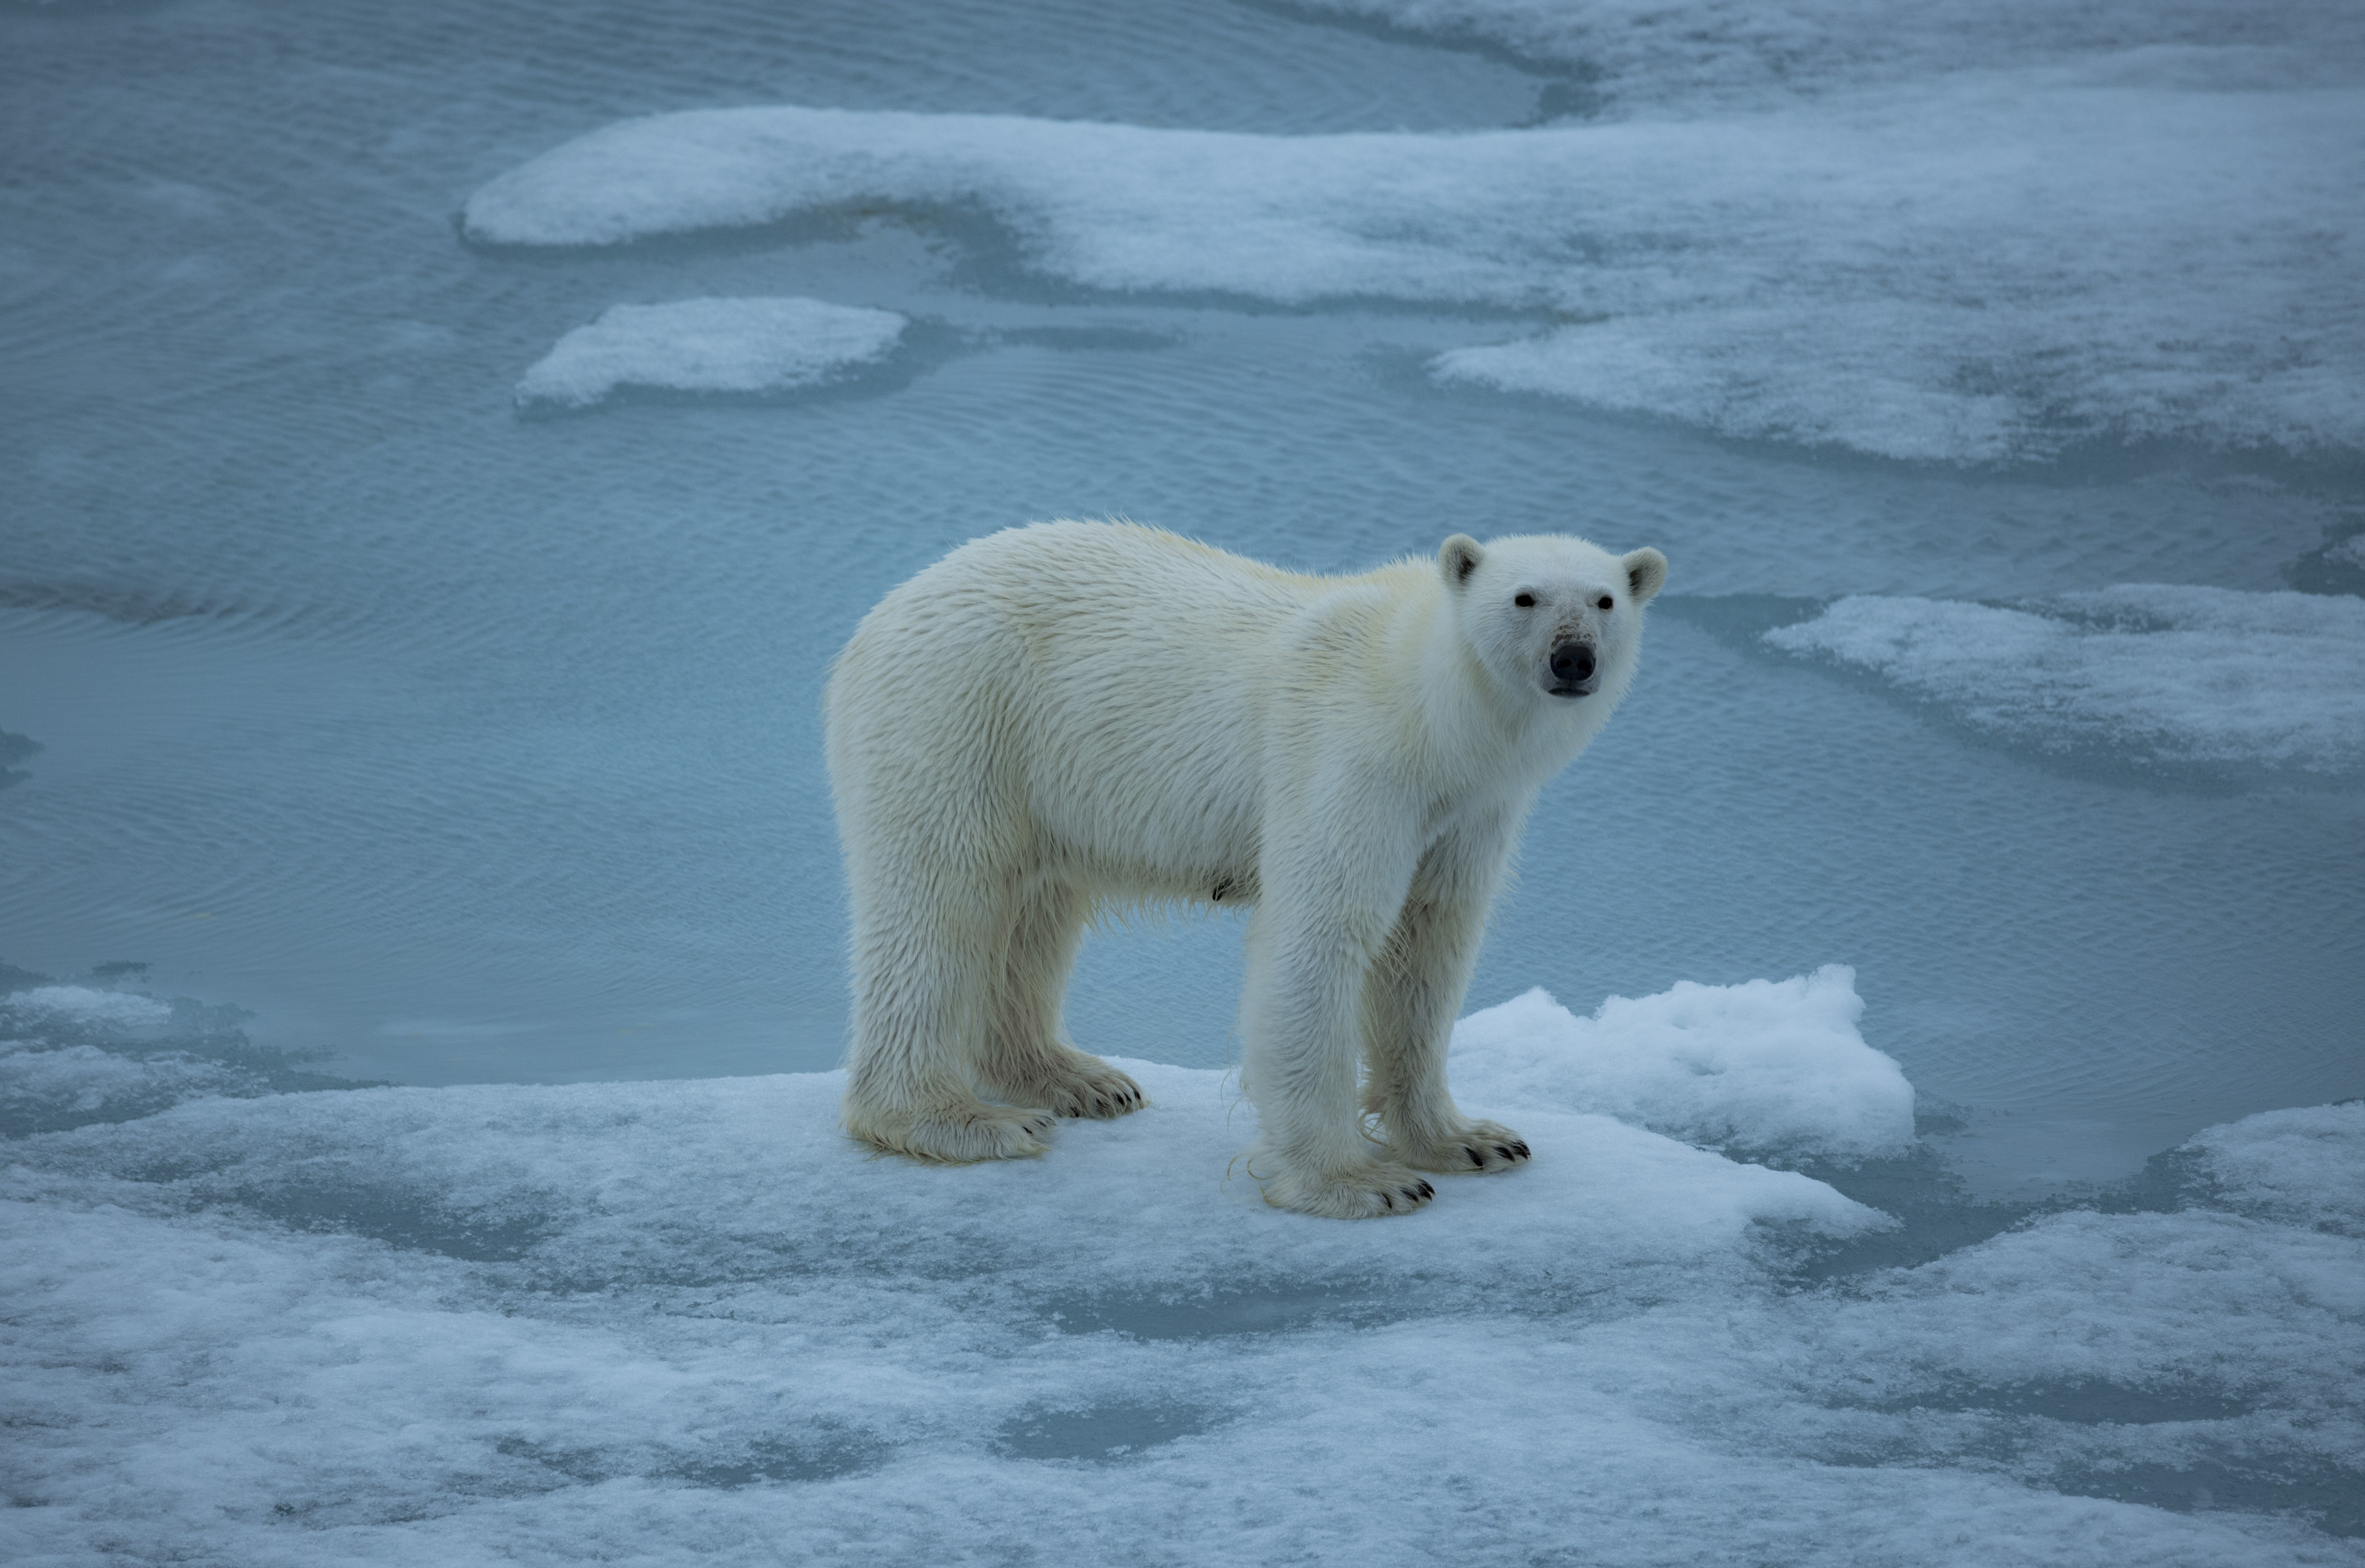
{"points": [[1982, 266], [1763, 1065], [2170, 673], [85, 1081], [710, 345], [70, 1054], [2304, 1167], [105, 1009]]}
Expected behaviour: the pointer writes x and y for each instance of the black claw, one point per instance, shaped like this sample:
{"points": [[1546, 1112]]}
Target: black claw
{"points": [[1426, 1191], [1387, 1200], [1503, 1151], [1476, 1158], [1522, 1149]]}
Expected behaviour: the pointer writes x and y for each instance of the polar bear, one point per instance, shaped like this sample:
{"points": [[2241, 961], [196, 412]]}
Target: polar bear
{"points": [[1072, 712]]}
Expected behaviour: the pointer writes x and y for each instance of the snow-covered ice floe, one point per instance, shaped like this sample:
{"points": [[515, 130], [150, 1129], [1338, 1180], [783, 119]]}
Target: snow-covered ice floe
{"points": [[2162, 673], [663, 1321], [1761, 1065], [708, 345], [1978, 266]]}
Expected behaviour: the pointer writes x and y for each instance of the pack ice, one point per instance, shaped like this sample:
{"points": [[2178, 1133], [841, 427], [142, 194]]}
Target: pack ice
{"points": [[2155, 672], [653, 1322], [708, 345], [1980, 266]]}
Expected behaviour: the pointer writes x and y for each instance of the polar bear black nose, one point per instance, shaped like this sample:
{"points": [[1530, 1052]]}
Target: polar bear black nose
{"points": [[1572, 662]]}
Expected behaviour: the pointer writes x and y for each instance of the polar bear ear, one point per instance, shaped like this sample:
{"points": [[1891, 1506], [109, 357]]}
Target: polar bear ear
{"points": [[1457, 557], [1646, 574]]}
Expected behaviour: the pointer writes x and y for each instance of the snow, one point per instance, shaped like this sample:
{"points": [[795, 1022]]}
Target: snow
{"points": [[1983, 266], [82, 1004], [1763, 1065], [2165, 674], [54, 1070], [1630, 53], [708, 345], [651, 1321], [72, 1055], [2302, 1166]]}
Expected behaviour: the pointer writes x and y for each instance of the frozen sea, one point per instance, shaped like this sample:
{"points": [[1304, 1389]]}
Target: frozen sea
{"points": [[444, 446]]}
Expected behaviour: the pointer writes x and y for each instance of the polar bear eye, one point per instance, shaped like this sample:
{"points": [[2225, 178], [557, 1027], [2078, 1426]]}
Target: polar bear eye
{"points": [[1525, 600], [1605, 602]]}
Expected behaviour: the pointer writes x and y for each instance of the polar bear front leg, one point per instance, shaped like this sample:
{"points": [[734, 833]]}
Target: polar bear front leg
{"points": [[1409, 1004], [1306, 968]]}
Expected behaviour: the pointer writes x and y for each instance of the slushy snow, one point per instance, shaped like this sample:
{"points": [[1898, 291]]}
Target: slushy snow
{"points": [[2169, 674], [708, 345], [643, 1321], [1983, 266]]}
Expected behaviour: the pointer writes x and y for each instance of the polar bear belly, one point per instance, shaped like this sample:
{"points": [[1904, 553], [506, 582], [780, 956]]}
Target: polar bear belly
{"points": [[1144, 775]]}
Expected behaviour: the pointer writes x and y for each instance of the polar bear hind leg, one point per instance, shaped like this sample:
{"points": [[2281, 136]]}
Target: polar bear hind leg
{"points": [[924, 951], [1027, 1061]]}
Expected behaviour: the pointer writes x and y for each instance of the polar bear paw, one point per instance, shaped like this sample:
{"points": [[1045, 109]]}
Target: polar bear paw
{"points": [[1078, 1085], [1474, 1149], [1371, 1192], [959, 1134]]}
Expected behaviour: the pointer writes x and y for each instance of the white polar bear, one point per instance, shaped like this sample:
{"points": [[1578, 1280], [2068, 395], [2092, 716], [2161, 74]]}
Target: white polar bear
{"points": [[1071, 712]]}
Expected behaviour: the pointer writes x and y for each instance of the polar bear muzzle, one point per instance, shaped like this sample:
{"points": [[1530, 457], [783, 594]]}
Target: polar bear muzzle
{"points": [[1573, 673]]}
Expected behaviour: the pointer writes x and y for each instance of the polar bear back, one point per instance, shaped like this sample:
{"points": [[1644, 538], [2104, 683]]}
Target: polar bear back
{"points": [[1117, 693]]}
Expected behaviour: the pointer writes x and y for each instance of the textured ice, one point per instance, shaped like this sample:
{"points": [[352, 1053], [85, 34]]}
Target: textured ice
{"points": [[665, 1321], [1763, 1065], [2305, 1167], [1638, 53], [2173, 674], [708, 345], [1984, 266], [73, 1055], [87, 1006]]}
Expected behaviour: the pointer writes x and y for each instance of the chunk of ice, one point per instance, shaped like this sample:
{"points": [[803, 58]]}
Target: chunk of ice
{"points": [[105, 1009], [2305, 1166], [2163, 673], [708, 345], [1763, 1065]]}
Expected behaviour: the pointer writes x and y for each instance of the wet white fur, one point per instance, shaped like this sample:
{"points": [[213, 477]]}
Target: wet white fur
{"points": [[1074, 712]]}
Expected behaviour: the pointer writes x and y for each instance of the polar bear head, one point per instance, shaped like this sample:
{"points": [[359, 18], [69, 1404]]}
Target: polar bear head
{"points": [[1553, 618]]}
